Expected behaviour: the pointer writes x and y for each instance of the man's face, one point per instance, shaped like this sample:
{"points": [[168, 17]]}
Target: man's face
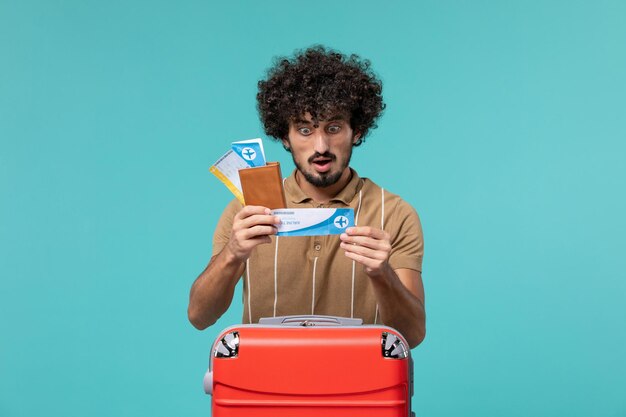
{"points": [[321, 149]]}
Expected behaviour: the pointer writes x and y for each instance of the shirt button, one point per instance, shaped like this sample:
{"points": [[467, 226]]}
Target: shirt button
{"points": [[317, 246]]}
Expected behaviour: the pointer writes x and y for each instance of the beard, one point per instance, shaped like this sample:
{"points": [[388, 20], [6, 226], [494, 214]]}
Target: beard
{"points": [[323, 179]]}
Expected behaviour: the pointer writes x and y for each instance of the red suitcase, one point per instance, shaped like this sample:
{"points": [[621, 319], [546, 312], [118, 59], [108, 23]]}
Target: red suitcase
{"points": [[310, 366]]}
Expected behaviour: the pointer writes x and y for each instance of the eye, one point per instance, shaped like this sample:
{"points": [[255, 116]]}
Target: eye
{"points": [[304, 131], [333, 128]]}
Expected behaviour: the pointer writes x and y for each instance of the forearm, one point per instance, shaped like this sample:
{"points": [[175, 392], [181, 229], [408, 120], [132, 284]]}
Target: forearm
{"points": [[212, 292], [399, 308]]}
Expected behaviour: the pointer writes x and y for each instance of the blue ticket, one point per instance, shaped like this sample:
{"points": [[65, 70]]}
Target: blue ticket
{"points": [[250, 151], [313, 221]]}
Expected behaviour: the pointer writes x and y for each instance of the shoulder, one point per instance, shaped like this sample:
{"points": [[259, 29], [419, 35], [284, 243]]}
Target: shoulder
{"points": [[397, 213], [224, 225], [233, 206], [391, 200], [229, 212]]}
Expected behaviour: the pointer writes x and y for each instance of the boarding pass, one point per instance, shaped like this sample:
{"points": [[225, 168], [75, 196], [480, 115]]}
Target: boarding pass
{"points": [[313, 221]]}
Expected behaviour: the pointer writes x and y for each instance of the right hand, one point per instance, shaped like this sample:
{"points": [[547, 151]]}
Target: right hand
{"points": [[252, 226]]}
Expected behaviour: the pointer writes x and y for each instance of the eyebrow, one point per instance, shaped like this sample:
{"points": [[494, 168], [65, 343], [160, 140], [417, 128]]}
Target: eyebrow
{"points": [[308, 122]]}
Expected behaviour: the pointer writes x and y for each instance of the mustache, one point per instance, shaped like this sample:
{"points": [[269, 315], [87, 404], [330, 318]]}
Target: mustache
{"points": [[327, 155]]}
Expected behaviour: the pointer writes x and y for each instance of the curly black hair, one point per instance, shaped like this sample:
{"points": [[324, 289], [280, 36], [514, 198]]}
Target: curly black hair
{"points": [[322, 82]]}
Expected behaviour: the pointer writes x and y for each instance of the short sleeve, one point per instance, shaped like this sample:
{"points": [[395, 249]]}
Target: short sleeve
{"points": [[407, 240], [224, 226]]}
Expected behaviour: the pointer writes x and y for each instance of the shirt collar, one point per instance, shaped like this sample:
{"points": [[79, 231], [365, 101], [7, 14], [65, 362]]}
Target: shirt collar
{"points": [[296, 195]]}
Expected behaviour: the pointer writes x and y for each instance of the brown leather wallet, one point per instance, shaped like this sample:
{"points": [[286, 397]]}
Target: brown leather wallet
{"points": [[263, 186]]}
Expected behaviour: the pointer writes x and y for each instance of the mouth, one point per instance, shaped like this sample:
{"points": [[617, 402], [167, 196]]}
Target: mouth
{"points": [[321, 164]]}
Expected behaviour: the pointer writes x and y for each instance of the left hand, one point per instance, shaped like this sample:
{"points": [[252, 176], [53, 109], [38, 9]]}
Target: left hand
{"points": [[368, 246]]}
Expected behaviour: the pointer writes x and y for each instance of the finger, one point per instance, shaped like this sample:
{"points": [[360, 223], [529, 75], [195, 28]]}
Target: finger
{"points": [[259, 240], [258, 219], [248, 245], [369, 242], [365, 251], [248, 211], [364, 260], [366, 231], [261, 230]]}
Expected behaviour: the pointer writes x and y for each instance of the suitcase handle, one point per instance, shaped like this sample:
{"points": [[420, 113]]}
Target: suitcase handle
{"points": [[311, 320]]}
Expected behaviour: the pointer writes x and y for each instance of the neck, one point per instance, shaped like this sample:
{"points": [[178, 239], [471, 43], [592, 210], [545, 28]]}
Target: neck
{"points": [[323, 194]]}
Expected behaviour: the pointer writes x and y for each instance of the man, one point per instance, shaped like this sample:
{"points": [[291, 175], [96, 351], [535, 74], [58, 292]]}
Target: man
{"points": [[319, 104]]}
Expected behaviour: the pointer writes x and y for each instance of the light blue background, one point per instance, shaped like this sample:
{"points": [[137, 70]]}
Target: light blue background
{"points": [[504, 128]]}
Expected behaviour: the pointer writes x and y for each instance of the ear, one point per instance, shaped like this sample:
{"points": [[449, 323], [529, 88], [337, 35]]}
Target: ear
{"points": [[356, 138], [286, 145]]}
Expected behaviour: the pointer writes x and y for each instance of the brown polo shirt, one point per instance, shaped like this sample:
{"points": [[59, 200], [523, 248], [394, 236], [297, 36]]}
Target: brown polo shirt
{"points": [[311, 274]]}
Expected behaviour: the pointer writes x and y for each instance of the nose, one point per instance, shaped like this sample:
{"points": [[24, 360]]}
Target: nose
{"points": [[321, 142]]}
